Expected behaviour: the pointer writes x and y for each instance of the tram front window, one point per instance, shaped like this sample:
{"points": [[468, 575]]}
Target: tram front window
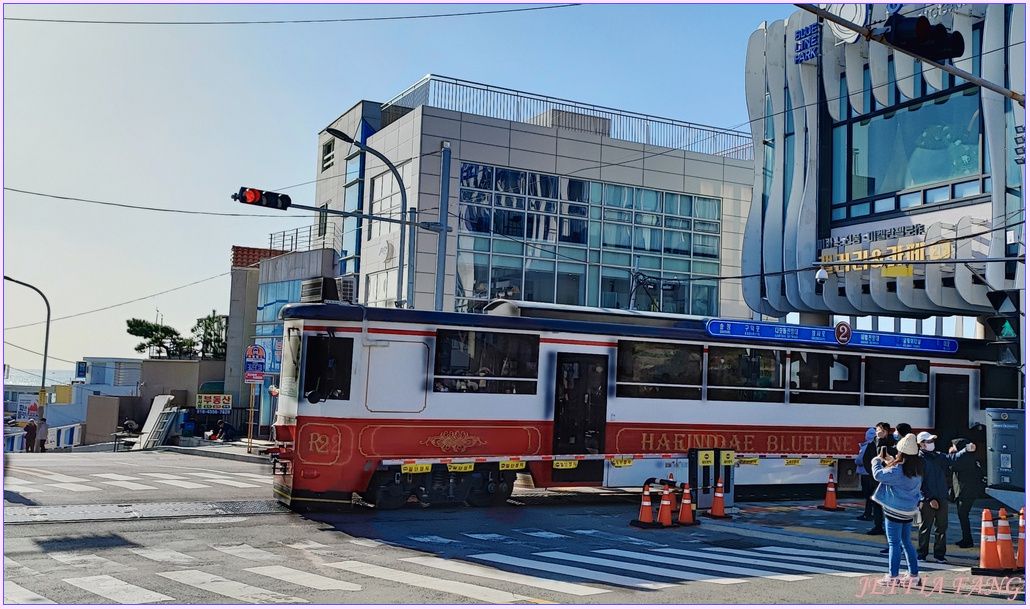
{"points": [[327, 369]]}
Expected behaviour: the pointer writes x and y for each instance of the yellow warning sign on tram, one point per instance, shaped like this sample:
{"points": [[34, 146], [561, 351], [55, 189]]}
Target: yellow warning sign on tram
{"points": [[512, 465], [566, 464], [460, 467], [621, 462], [416, 468], [792, 461], [706, 458], [747, 461], [827, 461], [728, 457]]}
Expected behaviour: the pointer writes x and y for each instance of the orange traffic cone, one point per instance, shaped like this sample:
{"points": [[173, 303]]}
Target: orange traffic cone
{"points": [[718, 506], [665, 509], [1021, 550], [1006, 556], [988, 543], [830, 502], [686, 516], [672, 496], [646, 518]]}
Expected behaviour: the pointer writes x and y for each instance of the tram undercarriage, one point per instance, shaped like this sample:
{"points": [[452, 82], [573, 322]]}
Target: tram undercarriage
{"points": [[482, 487]]}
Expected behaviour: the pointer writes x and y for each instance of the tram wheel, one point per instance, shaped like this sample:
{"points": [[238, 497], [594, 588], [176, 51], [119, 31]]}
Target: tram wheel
{"points": [[480, 498], [504, 488], [387, 499]]}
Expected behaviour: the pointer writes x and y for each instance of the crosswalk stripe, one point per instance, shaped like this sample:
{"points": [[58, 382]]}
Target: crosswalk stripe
{"points": [[306, 544], [246, 551], [16, 481], [77, 488], [22, 490], [261, 477], [650, 570], [751, 560], [116, 590], [163, 555], [16, 595], [302, 578], [480, 593], [60, 477], [90, 562], [368, 543], [131, 486], [843, 564], [430, 539], [118, 477], [235, 483], [878, 559], [475, 570], [550, 567], [620, 539], [488, 536], [183, 483], [233, 589], [705, 565], [541, 534], [16, 569], [163, 476]]}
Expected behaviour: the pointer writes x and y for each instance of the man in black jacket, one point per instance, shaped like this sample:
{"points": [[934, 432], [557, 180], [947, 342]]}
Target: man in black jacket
{"points": [[883, 439], [968, 484], [933, 500]]}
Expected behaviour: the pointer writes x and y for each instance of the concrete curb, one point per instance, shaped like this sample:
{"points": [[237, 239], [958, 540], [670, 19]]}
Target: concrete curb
{"points": [[218, 454]]}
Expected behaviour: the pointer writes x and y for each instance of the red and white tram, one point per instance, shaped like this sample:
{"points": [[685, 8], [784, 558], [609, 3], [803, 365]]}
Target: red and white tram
{"points": [[391, 403]]}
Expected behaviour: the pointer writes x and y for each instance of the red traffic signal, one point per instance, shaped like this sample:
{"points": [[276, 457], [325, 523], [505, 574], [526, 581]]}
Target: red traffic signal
{"points": [[916, 35], [264, 198]]}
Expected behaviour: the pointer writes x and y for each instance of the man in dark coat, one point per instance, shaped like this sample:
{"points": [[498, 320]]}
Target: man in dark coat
{"points": [[933, 500], [968, 484], [30, 436], [883, 439]]}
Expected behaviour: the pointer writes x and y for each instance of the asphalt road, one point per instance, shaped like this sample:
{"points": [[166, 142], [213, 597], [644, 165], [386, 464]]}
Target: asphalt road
{"points": [[552, 549]]}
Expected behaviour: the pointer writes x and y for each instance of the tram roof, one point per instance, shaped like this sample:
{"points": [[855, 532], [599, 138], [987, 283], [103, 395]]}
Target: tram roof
{"points": [[557, 318]]}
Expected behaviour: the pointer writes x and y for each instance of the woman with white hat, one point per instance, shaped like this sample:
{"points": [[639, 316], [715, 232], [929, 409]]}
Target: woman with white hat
{"points": [[900, 482]]}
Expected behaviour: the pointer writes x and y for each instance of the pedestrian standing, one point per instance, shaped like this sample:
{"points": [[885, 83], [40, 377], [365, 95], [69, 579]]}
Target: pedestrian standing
{"points": [[968, 484], [883, 440], [43, 434], [864, 477], [30, 436], [900, 481], [933, 500]]}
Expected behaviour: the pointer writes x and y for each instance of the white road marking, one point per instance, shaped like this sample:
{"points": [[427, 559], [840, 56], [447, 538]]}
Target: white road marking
{"points": [[233, 589], [78, 488], [620, 539], [476, 570], [234, 483], [752, 560], [16, 595], [162, 555], [368, 543], [164, 476], [488, 536], [430, 539], [480, 593], [542, 534], [183, 483], [302, 578], [60, 477], [705, 565], [307, 544], [877, 559], [22, 490], [16, 569], [90, 562], [116, 590], [131, 486], [650, 570], [17, 481], [119, 477], [246, 551], [550, 567], [860, 568], [261, 477]]}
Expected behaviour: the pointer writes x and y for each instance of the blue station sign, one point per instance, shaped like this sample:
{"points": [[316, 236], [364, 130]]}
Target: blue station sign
{"points": [[820, 335]]}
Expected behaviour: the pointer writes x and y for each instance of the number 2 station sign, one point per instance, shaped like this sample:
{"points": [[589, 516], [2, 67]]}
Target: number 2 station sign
{"points": [[841, 335]]}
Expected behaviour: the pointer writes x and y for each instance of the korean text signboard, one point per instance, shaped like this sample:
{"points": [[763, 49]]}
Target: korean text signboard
{"points": [[214, 404], [254, 365], [766, 331]]}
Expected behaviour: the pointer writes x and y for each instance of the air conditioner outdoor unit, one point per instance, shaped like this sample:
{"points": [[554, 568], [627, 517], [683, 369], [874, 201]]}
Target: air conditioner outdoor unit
{"points": [[347, 288], [319, 289]]}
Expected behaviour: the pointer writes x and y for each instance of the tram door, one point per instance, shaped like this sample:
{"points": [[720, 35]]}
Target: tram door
{"points": [[951, 408], [580, 410]]}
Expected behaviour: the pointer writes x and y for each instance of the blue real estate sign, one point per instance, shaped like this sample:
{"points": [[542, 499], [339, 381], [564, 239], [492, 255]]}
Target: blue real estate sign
{"points": [[817, 335]]}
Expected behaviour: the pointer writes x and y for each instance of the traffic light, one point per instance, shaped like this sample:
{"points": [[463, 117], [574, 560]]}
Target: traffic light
{"points": [[1006, 326], [916, 35], [264, 198]]}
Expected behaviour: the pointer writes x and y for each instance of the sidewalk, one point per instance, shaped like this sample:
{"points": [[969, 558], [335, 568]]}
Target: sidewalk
{"points": [[237, 451], [805, 519]]}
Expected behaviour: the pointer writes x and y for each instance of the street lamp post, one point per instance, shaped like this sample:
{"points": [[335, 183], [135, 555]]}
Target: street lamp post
{"points": [[401, 301], [46, 343]]}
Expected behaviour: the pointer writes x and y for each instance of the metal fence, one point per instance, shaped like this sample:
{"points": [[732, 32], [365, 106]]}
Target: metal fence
{"points": [[507, 104], [307, 238]]}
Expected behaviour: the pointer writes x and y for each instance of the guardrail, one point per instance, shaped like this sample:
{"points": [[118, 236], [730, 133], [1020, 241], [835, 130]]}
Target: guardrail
{"points": [[58, 437]]}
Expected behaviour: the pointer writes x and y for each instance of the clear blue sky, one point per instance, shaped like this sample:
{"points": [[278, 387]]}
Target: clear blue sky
{"points": [[181, 116]]}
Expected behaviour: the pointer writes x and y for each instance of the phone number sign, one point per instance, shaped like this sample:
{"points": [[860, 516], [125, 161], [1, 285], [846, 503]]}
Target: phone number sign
{"points": [[254, 365]]}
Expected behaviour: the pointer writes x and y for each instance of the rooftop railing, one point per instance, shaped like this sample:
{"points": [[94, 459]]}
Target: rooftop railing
{"points": [[507, 104]]}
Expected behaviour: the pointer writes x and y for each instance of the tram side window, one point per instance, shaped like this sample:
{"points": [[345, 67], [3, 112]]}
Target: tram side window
{"points": [[825, 378], [658, 370], [485, 362], [897, 382], [738, 374], [1001, 387], [327, 370]]}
